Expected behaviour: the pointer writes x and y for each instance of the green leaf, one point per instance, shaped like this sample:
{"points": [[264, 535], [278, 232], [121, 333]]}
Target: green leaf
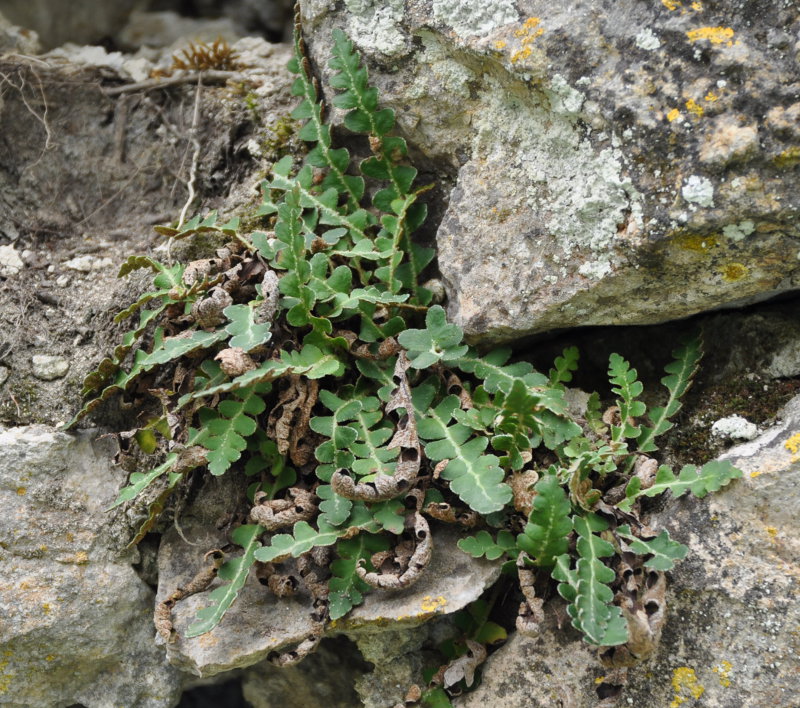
{"points": [[302, 539], [497, 375], [711, 477], [226, 429], [476, 478], [629, 388], [593, 613], [662, 549], [483, 545], [346, 588], [235, 572], [139, 481], [564, 365], [439, 341], [546, 535], [245, 332], [681, 372]]}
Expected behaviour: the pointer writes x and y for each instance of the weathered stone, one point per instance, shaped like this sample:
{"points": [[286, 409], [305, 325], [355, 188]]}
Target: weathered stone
{"points": [[326, 678], [15, 39], [81, 21], [732, 603], [735, 427], [49, 368], [10, 262], [76, 617], [617, 162], [259, 623]]}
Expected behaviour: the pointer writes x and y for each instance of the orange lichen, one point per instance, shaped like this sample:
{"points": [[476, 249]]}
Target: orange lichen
{"points": [[711, 97], [528, 33], [715, 35], [21, 491], [674, 114]]}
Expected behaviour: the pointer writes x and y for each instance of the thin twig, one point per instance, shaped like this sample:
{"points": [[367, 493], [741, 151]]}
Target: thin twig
{"points": [[210, 77], [196, 155]]}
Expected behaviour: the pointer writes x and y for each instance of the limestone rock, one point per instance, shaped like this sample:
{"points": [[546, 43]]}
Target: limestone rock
{"points": [[48, 368], [731, 604], [258, 623], [76, 617], [616, 162], [326, 678], [80, 21]]}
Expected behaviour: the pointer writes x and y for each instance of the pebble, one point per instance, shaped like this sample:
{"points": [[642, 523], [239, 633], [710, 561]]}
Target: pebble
{"points": [[735, 427], [10, 262], [62, 281], [86, 264], [4, 372], [49, 368]]}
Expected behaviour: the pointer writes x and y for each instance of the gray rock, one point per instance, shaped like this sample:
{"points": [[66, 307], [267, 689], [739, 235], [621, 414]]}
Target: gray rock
{"points": [[326, 678], [76, 617], [10, 262], [259, 624], [81, 21], [617, 162], [732, 603], [49, 368], [17, 40]]}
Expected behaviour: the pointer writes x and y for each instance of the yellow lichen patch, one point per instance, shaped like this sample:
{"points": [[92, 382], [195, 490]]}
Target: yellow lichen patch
{"points": [[685, 685], [734, 272], [432, 604], [46, 608], [5, 675], [711, 97], [693, 107], [697, 6], [715, 35], [208, 640], [793, 446], [671, 5], [698, 243], [49, 657], [772, 532], [500, 44], [599, 680], [674, 114], [788, 158], [21, 491], [723, 671]]}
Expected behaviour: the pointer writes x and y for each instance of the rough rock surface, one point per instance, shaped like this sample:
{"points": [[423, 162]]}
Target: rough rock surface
{"points": [[76, 622], [617, 162], [326, 678], [258, 623], [730, 638]]}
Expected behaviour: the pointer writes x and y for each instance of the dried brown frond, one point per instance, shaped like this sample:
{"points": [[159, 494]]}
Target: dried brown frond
{"points": [[219, 56]]}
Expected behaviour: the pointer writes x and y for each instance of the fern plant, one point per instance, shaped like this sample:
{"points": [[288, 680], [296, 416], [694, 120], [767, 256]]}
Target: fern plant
{"points": [[309, 354]]}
